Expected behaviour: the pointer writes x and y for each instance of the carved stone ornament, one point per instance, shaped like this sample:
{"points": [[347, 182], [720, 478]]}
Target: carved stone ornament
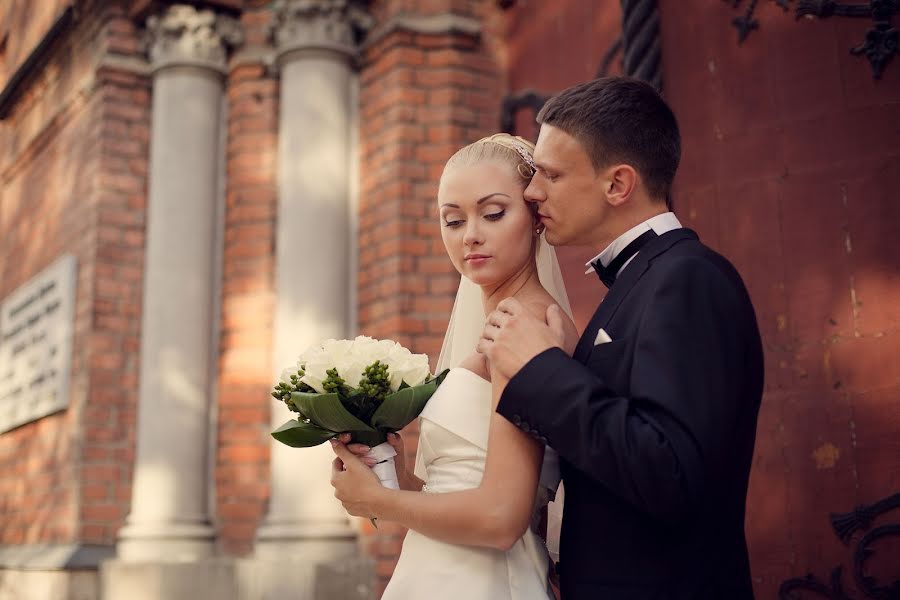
{"points": [[184, 35], [336, 25]]}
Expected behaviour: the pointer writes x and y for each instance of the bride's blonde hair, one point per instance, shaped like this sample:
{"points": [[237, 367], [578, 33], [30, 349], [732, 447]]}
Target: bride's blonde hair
{"points": [[513, 150]]}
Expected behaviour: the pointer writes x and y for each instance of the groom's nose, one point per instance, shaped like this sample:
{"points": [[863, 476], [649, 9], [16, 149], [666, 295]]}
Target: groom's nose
{"points": [[534, 192]]}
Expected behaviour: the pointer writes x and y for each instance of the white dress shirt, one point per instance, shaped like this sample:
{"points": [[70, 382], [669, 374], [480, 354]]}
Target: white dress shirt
{"points": [[660, 224]]}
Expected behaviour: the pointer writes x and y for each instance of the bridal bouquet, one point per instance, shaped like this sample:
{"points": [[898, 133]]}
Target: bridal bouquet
{"points": [[364, 386]]}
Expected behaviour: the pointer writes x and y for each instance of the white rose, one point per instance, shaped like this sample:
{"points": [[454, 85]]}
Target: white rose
{"points": [[308, 354], [371, 350], [383, 348], [414, 371], [338, 352], [316, 366], [286, 375], [351, 357], [352, 369]]}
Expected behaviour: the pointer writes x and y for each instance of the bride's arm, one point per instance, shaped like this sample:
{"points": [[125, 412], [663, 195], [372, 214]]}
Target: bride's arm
{"points": [[495, 514]]}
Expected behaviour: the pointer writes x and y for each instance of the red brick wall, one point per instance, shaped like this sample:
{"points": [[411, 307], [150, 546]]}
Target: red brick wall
{"points": [[551, 48], [21, 28], [72, 180], [791, 166], [791, 162], [122, 125], [422, 97], [73, 162], [245, 372]]}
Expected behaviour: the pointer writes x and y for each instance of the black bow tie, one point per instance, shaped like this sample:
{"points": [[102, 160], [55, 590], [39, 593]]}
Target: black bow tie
{"points": [[608, 273]]}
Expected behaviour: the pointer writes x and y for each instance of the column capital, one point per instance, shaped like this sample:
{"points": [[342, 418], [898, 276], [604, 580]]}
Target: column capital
{"points": [[329, 25], [185, 36]]}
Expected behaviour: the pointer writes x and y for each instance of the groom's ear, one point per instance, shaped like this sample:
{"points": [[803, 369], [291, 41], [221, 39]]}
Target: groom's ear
{"points": [[619, 184]]}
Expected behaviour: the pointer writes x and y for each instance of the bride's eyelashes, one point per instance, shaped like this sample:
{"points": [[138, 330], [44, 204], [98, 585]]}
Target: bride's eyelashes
{"points": [[490, 217]]}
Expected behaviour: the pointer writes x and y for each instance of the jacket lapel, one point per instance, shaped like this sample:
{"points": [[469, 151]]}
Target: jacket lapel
{"points": [[623, 284]]}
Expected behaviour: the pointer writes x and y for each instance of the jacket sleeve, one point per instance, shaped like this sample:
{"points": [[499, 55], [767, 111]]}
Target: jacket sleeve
{"points": [[660, 446]]}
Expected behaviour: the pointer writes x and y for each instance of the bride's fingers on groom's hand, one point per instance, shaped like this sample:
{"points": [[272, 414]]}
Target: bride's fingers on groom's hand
{"points": [[562, 329], [555, 321]]}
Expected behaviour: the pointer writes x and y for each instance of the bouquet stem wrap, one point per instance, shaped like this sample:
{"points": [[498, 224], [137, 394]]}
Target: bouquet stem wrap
{"points": [[385, 468]]}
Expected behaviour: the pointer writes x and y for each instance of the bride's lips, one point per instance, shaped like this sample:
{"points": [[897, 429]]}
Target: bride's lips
{"points": [[476, 259]]}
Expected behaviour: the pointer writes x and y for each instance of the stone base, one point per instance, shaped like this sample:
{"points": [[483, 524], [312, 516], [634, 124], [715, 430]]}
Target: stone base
{"points": [[202, 580], [237, 579], [16, 584], [348, 579]]}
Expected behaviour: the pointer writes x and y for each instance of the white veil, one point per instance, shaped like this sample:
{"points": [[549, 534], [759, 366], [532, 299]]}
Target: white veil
{"points": [[463, 333]]}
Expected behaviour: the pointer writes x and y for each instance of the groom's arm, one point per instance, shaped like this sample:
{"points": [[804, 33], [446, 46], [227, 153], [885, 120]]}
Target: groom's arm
{"points": [[661, 446]]}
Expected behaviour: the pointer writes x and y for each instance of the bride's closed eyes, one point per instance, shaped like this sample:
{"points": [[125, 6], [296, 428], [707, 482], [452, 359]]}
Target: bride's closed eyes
{"points": [[494, 216]]}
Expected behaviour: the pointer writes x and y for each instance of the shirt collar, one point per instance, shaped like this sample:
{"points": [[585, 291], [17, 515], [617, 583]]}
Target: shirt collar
{"points": [[661, 224]]}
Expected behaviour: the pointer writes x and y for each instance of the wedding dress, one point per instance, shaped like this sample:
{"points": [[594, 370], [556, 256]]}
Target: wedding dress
{"points": [[452, 449]]}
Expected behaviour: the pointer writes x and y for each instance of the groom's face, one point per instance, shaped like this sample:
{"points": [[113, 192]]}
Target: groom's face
{"points": [[567, 190]]}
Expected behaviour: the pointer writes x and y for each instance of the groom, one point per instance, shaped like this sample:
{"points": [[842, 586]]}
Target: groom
{"points": [[654, 415]]}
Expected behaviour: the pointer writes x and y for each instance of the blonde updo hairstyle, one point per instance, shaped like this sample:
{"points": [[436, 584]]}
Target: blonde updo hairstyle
{"points": [[513, 150]]}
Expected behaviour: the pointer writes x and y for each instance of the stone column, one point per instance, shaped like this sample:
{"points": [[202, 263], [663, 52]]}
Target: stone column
{"points": [[315, 52], [169, 519]]}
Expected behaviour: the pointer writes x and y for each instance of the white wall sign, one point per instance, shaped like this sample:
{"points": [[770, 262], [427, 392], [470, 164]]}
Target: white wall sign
{"points": [[36, 326]]}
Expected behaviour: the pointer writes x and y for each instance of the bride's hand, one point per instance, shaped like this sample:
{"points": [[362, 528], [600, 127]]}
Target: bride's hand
{"points": [[478, 364], [359, 450], [355, 485], [559, 321]]}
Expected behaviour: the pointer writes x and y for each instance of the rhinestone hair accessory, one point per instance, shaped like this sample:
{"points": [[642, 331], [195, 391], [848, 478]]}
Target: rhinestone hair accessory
{"points": [[519, 146], [526, 158]]}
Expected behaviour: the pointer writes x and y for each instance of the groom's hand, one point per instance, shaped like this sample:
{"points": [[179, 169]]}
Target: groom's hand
{"points": [[513, 335]]}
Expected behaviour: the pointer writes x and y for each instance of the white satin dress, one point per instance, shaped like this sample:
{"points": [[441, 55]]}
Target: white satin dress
{"points": [[451, 456]]}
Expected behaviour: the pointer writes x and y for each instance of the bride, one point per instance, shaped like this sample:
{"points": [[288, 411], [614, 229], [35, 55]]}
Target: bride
{"points": [[474, 515]]}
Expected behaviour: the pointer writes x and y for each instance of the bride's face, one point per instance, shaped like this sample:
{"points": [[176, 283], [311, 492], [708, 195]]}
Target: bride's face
{"points": [[486, 225]]}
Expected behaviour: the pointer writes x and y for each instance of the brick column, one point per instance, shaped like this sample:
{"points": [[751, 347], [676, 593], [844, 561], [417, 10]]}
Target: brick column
{"points": [[431, 82], [245, 372]]}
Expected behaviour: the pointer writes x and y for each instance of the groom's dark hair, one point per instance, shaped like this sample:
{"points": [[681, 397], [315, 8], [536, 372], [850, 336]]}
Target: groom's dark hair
{"points": [[621, 120]]}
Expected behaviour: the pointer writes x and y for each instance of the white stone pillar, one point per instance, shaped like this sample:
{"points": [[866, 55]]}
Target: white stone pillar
{"points": [[315, 52], [169, 519]]}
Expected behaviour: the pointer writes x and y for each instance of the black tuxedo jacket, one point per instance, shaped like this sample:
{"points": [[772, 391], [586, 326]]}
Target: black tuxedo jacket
{"points": [[655, 430]]}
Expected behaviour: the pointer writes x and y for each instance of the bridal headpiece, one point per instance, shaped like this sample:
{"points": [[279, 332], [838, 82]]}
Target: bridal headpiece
{"points": [[520, 146]]}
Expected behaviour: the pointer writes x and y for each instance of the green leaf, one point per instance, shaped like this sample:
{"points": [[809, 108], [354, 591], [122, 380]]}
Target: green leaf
{"points": [[439, 378], [326, 410], [400, 408], [367, 438], [298, 434]]}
